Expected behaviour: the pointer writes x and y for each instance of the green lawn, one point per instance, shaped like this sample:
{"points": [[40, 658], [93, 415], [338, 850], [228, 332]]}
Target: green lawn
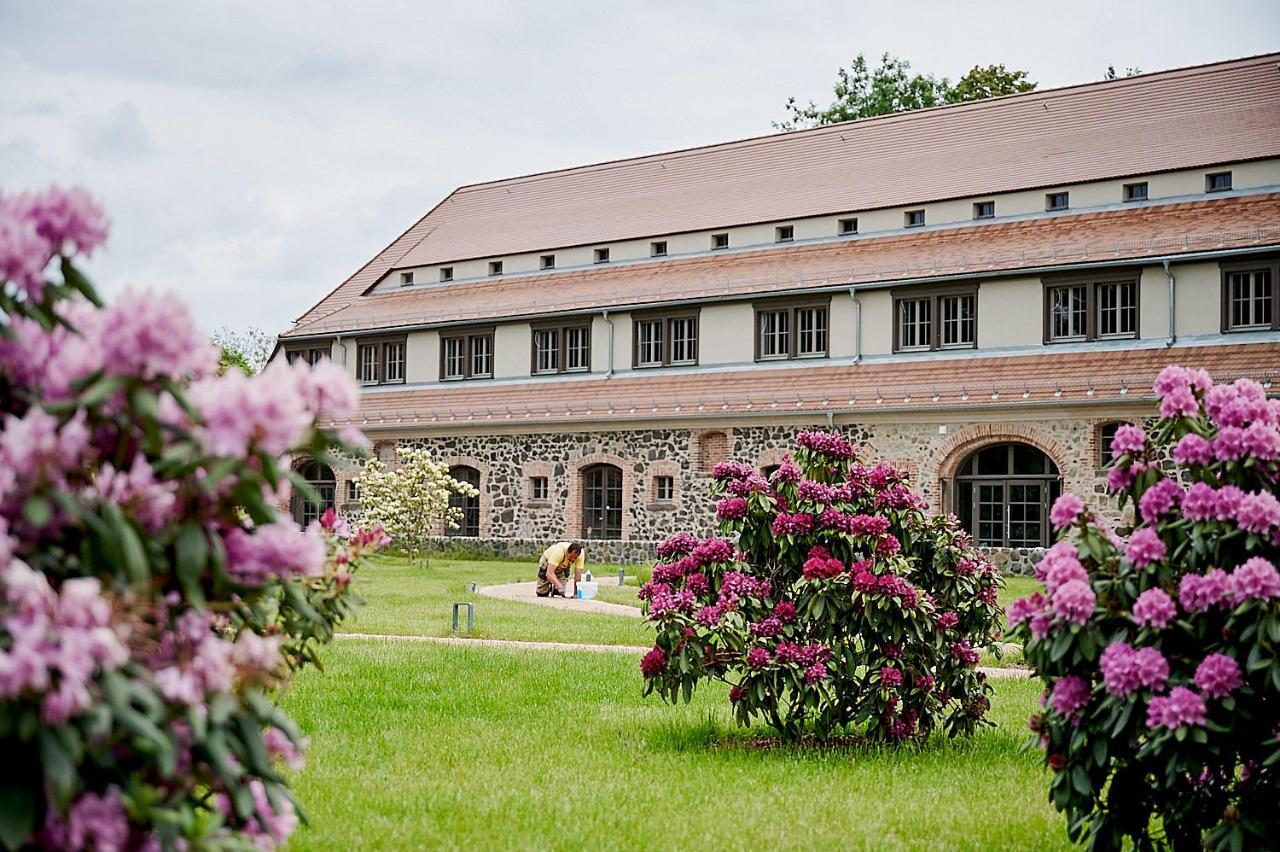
{"points": [[421, 746]]}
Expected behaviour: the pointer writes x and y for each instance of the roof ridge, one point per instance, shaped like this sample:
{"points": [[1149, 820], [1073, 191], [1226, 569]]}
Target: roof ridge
{"points": [[890, 118]]}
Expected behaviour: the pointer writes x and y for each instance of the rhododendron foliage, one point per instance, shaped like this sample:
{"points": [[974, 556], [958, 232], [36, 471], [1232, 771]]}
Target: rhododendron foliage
{"points": [[833, 603], [152, 597], [1161, 655]]}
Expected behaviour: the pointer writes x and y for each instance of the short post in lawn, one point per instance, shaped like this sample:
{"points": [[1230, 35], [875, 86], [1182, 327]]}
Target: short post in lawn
{"points": [[471, 587], [471, 615], [622, 576]]}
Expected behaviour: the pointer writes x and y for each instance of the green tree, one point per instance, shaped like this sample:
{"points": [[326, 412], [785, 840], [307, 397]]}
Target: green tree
{"points": [[247, 351], [861, 92], [1131, 71]]}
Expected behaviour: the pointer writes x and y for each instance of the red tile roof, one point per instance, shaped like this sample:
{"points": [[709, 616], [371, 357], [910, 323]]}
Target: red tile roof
{"points": [[1185, 118], [1128, 233], [1050, 379]]}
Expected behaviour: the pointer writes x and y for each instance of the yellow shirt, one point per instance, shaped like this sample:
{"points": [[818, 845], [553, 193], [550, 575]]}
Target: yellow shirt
{"points": [[557, 556]]}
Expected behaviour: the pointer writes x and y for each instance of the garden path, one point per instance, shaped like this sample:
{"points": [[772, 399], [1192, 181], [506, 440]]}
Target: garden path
{"points": [[578, 646], [527, 593]]}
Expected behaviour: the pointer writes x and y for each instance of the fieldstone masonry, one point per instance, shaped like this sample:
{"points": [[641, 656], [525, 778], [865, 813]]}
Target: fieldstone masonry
{"points": [[514, 525]]}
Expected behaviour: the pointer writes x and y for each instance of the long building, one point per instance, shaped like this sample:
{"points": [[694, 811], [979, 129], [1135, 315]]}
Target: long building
{"points": [[979, 293]]}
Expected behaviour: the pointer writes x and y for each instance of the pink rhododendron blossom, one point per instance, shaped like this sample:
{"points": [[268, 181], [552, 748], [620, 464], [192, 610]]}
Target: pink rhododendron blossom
{"points": [[1193, 449], [827, 443], [758, 658], [1145, 547], [1218, 676], [1159, 500], [1256, 579], [1200, 502], [1129, 439], [1258, 512], [1125, 670], [24, 254], [731, 470], [1022, 609], [1065, 510], [98, 821], [1180, 708], [1229, 499], [890, 677], [1070, 694], [654, 662], [275, 550], [1180, 402], [731, 509], [1121, 477], [1200, 592], [815, 673], [947, 620], [1154, 608]]}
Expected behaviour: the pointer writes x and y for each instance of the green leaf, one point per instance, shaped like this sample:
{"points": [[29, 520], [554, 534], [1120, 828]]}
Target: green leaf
{"points": [[192, 552], [37, 511], [131, 549], [1080, 780], [18, 809], [98, 392], [59, 768]]}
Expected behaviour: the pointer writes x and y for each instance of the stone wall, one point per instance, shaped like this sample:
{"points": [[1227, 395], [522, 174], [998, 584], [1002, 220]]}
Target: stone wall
{"points": [[513, 524]]}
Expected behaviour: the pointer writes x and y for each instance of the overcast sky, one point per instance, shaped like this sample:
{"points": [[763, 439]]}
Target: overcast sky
{"points": [[253, 155]]}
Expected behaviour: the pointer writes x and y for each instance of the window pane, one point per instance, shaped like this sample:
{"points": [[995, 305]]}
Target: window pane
{"points": [[811, 325], [684, 343], [547, 359], [959, 320], [368, 363], [993, 460], [1251, 302], [1028, 461], [649, 342], [453, 358], [577, 349], [915, 324], [1117, 309], [393, 354], [775, 334], [1067, 318], [481, 356]]}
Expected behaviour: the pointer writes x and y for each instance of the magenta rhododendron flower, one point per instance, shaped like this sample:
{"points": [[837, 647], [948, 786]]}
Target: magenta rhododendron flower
{"points": [[678, 544], [1218, 676], [731, 509], [1200, 592], [1154, 608], [1129, 439], [652, 664], [1070, 694], [890, 677], [1145, 547], [1073, 601], [1065, 510], [1160, 499], [758, 658], [1182, 707], [1258, 513], [1125, 669], [1256, 579], [1193, 449], [826, 443]]}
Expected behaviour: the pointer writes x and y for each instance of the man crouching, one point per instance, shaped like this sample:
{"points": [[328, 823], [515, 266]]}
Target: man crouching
{"points": [[553, 568]]}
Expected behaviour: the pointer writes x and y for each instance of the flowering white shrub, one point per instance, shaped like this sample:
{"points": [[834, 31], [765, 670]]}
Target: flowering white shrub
{"points": [[411, 500], [152, 598]]}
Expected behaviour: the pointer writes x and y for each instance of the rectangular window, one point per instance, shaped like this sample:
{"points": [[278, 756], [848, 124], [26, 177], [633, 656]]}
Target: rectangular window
{"points": [[353, 491], [665, 340], [913, 218], [935, 318], [406, 278], [784, 234], [546, 350], [658, 249], [1135, 191], [393, 362], [1057, 201], [984, 210], [495, 267], [547, 261], [539, 489], [794, 331], [562, 349], [381, 362], [848, 226], [1250, 300], [1090, 309], [811, 332], [602, 255], [719, 241], [1217, 182], [446, 273], [664, 489], [466, 355], [311, 355]]}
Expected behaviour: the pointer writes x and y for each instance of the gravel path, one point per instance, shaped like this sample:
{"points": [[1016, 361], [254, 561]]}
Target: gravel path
{"points": [[527, 593], [576, 646]]}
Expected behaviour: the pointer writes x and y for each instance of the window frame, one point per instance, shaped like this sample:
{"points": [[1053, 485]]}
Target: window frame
{"points": [[600, 255], [562, 327], [1092, 282], [659, 480], [496, 268], [1227, 268], [382, 342], [1104, 458], [546, 261], [468, 337], [667, 318], [1208, 181], [406, 279], [309, 354], [784, 234], [540, 480], [978, 209], [907, 218], [1049, 206], [658, 248], [847, 227], [792, 307], [1128, 192], [446, 274], [720, 242], [934, 295]]}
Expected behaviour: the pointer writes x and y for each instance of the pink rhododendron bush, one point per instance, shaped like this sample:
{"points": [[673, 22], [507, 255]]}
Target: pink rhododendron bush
{"points": [[1159, 654], [843, 609], [152, 598]]}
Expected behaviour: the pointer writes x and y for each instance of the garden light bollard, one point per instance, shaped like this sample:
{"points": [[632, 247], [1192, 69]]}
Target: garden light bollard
{"points": [[471, 587], [622, 576], [471, 616]]}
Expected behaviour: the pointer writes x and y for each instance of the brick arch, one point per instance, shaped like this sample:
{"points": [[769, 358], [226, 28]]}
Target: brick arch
{"points": [[771, 456], [486, 500], [958, 447], [573, 509]]}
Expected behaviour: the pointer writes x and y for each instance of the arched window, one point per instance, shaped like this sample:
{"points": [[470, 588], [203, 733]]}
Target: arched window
{"points": [[602, 502], [469, 523], [1107, 434], [1003, 493], [320, 478]]}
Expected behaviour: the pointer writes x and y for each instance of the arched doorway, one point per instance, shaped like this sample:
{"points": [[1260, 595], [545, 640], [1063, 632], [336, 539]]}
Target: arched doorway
{"points": [[602, 502], [469, 523], [769, 470], [1002, 494], [320, 478]]}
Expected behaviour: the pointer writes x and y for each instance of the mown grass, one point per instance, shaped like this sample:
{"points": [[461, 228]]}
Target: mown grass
{"points": [[422, 746]]}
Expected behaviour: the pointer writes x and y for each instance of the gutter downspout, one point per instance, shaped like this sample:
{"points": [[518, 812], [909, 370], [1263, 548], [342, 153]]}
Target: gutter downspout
{"points": [[857, 325], [338, 340], [1173, 295], [609, 373]]}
